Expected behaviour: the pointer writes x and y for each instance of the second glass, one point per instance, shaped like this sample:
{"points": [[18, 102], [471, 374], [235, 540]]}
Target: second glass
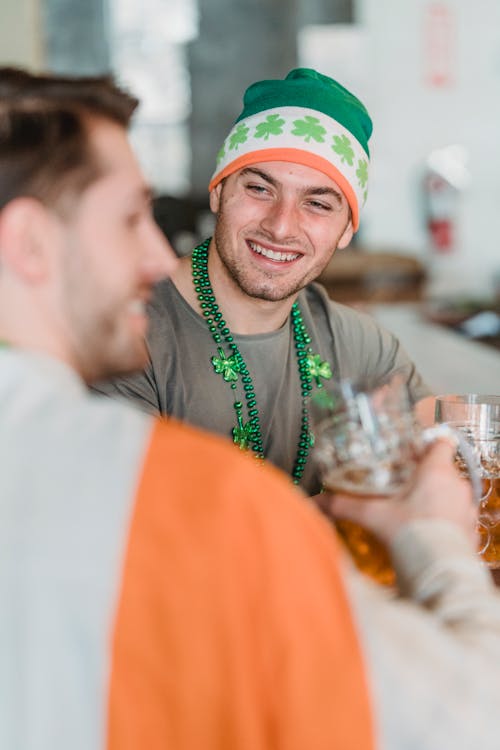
{"points": [[368, 443], [477, 417]]}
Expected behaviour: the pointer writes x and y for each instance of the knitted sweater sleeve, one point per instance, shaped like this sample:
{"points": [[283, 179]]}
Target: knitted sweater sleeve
{"points": [[432, 651]]}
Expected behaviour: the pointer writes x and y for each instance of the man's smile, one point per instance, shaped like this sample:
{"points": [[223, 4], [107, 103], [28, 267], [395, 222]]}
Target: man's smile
{"points": [[275, 255]]}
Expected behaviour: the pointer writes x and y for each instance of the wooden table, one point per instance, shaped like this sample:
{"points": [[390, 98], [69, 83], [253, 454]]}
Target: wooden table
{"points": [[447, 361]]}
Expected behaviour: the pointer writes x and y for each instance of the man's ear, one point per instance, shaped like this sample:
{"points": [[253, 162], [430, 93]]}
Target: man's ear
{"points": [[26, 238], [346, 236], [215, 198]]}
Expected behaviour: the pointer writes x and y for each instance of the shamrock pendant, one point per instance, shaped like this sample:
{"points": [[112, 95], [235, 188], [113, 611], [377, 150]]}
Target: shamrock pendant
{"points": [[318, 369], [243, 434], [228, 367]]}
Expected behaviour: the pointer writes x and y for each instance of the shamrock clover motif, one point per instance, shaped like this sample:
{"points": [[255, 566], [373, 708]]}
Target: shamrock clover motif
{"points": [[239, 136], [324, 400], [309, 128], [221, 153], [318, 369], [342, 147], [272, 125], [228, 367], [362, 172], [243, 434]]}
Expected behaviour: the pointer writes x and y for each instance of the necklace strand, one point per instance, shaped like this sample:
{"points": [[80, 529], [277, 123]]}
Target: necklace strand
{"points": [[232, 366]]}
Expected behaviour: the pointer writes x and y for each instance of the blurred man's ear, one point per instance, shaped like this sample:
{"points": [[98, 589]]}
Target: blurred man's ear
{"points": [[215, 198], [346, 236], [26, 235]]}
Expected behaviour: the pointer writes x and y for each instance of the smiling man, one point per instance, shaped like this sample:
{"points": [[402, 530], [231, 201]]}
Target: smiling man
{"points": [[116, 631], [158, 589], [241, 336]]}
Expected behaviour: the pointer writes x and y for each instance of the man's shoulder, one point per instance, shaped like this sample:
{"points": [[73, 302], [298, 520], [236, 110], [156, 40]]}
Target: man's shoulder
{"points": [[114, 427], [201, 447], [190, 457], [338, 315], [169, 308], [162, 299], [204, 483]]}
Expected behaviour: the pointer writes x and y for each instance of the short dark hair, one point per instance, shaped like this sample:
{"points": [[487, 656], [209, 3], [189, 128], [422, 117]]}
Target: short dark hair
{"points": [[45, 151]]}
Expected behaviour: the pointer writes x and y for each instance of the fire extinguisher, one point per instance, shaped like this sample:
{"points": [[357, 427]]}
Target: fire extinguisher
{"points": [[440, 213], [445, 177]]}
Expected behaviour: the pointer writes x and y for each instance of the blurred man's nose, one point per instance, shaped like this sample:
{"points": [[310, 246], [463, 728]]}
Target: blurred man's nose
{"points": [[282, 219], [159, 261]]}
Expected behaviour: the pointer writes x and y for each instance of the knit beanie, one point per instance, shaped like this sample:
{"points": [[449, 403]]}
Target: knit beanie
{"points": [[308, 119]]}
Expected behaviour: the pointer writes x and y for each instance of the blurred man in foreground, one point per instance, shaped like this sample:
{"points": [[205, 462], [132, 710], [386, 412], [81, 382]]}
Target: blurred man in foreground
{"points": [[150, 594]]}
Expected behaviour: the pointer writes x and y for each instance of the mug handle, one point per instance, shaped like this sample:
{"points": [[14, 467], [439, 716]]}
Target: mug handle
{"points": [[430, 434]]}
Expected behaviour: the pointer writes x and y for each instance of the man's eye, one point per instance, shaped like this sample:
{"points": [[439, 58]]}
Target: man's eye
{"points": [[257, 188], [320, 206]]}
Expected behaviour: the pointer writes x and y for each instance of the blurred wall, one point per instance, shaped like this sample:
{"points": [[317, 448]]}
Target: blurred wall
{"points": [[427, 84], [239, 42], [64, 36], [20, 39], [76, 34], [433, 79]]}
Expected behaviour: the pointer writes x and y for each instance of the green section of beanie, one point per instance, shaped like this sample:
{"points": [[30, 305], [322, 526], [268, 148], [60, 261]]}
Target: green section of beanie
{"points": [[306, 118], [304, 87]]}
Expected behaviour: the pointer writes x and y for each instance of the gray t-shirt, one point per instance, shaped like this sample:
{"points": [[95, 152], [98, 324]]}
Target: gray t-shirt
{"points": [[180, 379]]}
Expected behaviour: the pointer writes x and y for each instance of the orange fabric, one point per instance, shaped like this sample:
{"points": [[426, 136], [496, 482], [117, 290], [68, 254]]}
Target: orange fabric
{"points": [[296, 156], [233, 631]]}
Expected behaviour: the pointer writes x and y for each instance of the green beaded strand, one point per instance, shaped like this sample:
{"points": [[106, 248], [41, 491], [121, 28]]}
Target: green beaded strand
{"points": [[250, 433]]}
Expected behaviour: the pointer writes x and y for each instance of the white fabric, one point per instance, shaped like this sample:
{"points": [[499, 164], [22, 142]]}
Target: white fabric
{"points": [[59, 501], [433, 654], [322, 145]]}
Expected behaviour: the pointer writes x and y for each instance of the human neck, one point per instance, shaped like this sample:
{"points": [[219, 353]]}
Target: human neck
{"points": [[27, 327], [243, 314]]}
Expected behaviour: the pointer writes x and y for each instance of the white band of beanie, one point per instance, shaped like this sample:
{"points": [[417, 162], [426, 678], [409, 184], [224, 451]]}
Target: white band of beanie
{"points": [[303, 136]]}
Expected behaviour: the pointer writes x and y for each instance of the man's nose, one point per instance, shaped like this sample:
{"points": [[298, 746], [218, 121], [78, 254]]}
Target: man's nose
{"points": [[282, 219], [159, 261]]}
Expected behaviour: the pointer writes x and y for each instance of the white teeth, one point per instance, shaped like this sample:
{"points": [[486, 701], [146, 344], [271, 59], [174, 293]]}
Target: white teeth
{"points": [[272, 254], [137, 306]]}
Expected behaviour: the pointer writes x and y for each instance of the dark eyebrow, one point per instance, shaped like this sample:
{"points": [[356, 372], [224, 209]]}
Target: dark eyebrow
{"points": [[263, 175], [325, 191], [307, 190]]}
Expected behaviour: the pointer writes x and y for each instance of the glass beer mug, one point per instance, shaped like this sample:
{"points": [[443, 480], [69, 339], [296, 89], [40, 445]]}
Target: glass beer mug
{"points": [[368, 443], [477, 418]]}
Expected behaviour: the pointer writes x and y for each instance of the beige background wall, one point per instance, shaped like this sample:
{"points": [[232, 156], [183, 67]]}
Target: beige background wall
{"points": [[396, 48], [414, 115], [20, 39]]}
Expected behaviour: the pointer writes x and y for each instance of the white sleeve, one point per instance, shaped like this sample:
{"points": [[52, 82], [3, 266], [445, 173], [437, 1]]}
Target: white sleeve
{"points": [[433, 649]]}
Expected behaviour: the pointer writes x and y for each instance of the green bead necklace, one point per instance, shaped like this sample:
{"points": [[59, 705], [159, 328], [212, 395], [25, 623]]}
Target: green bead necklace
{"points": [[248, 434]]}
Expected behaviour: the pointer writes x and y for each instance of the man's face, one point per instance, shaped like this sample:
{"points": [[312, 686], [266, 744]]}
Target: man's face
{"points": [[111, 254], [278, 225]]}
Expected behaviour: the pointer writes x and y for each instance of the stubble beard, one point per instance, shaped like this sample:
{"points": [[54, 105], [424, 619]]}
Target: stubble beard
{"points": [[101, 348], [264, 286]]}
